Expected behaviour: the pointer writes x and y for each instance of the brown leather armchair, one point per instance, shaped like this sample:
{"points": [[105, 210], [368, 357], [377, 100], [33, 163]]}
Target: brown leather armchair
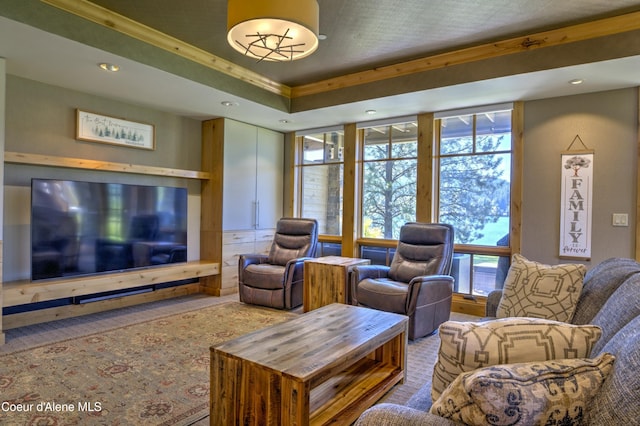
{"points": [[275, 280], [417, 283]]}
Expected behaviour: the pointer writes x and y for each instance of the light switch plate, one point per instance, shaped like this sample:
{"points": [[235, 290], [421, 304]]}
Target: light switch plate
{"points": [[620, 219]]}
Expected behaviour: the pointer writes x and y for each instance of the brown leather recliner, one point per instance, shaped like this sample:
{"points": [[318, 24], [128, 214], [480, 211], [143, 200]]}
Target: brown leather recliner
{"points": [[276, 280], [417, 283]]}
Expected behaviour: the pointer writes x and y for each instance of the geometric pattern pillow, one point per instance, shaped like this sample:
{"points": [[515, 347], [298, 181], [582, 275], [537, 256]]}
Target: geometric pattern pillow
{"points": [[533, 289], [556, 392], [466, 346]]}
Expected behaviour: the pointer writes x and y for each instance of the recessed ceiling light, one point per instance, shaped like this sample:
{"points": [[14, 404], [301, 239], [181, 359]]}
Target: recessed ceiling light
{"points": [[284, 121], [109, 67], [229, 103], [371, 111], [576, 81]]}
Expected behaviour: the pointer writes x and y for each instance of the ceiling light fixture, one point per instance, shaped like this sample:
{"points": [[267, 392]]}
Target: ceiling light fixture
{"points": [[109, 67], [274, 30], [229, 104], [576, 81], [371, 111]]}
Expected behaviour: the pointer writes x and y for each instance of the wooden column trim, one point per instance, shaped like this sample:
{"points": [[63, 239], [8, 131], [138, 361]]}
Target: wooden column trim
{"points": [[637, 251], [211, 201], [424, 187], [350, 191], [517, 179], [291, 175]]}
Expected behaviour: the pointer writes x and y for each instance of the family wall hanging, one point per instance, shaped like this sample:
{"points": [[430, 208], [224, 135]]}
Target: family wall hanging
{"points": [[576, 201]]}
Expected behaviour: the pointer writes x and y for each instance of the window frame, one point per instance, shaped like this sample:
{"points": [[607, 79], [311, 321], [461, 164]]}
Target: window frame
{"points": [[300, 165], [474, 250], [427, 180], [389, 158]]}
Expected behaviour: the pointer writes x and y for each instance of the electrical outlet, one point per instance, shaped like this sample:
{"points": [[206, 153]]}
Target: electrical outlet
{"points": [[620, 219]]}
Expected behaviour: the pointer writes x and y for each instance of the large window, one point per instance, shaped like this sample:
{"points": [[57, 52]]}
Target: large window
{"points": [[389, 179], [321, 180], [474, 194], [448, 167]]}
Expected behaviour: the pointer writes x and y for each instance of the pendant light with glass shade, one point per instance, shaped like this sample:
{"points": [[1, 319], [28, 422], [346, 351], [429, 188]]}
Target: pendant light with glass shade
{"points": [[273, 30]]}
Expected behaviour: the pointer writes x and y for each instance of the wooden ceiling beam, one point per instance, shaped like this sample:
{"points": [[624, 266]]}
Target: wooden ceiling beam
{"points": [[107, 18], [561, 36], [565, 35]]}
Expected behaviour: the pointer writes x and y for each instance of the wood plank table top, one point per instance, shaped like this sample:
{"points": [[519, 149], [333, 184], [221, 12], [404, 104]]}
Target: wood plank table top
{"points": [[325, 366], [316, 340]]}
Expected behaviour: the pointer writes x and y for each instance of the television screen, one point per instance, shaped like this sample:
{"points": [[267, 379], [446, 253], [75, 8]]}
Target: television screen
{"points": [[82, 228]]}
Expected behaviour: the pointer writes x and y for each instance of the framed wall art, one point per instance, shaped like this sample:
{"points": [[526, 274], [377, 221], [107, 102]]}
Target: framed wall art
{"points": [[576, 202], [93, 127]]}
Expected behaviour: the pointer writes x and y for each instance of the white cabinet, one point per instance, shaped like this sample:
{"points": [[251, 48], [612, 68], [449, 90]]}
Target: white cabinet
{"points": [[252, 194], [253, 177]]}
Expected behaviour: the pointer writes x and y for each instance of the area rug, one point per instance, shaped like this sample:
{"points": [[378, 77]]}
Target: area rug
{"points": [[154, 372]]}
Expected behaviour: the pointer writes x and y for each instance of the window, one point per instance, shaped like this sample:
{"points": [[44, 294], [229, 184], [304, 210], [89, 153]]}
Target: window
{"points": [[463, 164], [321, 178], [389, 179], [474, 194]]}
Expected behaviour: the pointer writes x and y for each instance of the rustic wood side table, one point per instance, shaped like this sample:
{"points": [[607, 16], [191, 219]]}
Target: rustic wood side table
{"points": [[326, 280], [324, 367]]}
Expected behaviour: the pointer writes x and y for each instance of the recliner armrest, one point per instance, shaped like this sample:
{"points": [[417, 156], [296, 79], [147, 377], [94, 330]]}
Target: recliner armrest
{"points": [[252, 259], [432, 278], [362, 272], [294, 269], [434, 288]]}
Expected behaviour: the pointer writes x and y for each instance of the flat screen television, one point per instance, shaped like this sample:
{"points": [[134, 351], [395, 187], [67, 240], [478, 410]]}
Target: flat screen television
{"points": [[84, 228]]}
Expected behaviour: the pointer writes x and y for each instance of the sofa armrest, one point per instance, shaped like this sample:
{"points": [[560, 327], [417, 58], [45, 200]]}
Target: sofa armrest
{"points": [[399, 415], [493, 299]]}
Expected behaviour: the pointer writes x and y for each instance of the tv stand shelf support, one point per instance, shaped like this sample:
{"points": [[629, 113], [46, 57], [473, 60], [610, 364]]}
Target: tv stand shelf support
{"points": [[23, 292]]}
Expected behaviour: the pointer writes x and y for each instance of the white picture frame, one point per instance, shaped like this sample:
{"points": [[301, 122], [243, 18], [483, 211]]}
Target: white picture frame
{"points": [[92, 127]]}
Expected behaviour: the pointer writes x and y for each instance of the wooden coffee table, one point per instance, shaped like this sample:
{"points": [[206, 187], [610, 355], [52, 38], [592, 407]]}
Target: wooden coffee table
{"points": [[326, 366]]}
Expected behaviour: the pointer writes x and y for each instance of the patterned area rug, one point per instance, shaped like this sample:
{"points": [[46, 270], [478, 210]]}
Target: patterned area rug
{"points": [[154, 372]]}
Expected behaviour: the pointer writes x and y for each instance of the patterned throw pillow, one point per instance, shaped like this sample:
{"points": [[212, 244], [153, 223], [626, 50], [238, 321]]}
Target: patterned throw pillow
{"points": [[466, 346], [532, 289], [556, 392]]}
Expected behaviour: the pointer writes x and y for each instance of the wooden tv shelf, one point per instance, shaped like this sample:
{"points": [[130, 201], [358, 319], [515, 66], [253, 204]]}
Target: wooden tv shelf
{"points": [[23, 292], [82, 163]]}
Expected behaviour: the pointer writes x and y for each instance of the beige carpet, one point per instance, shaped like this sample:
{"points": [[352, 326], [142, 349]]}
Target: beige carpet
{"points": [[141, 365]]}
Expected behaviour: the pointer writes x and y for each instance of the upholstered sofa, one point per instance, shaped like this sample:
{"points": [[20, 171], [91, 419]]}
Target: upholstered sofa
{"points": [[610, 299]]}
